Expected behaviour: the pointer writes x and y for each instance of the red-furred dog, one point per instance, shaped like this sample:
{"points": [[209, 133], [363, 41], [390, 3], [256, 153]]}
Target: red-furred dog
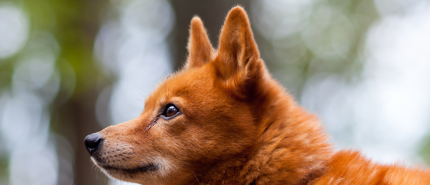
{"points": [[223, 120]]}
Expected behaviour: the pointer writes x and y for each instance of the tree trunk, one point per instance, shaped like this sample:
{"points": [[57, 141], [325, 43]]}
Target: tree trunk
{"points": [[77, 25]]}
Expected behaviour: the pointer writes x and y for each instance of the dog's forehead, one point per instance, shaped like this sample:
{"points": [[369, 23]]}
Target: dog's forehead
{"points": [[181, 84]]}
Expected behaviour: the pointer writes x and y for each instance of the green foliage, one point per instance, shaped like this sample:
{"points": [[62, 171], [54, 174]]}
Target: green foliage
{"points": [[328, 41], [425, 151], [4, 166]]}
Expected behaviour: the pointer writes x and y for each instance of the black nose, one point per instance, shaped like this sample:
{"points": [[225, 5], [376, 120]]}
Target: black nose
{"points": [[92, 142]]}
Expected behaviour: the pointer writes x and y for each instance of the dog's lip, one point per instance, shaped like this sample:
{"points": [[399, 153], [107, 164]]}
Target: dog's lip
{"points": [[142, 169]]}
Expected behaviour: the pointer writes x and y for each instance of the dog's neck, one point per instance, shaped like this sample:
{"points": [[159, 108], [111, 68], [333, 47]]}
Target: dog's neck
{"points": [[291, 145]]}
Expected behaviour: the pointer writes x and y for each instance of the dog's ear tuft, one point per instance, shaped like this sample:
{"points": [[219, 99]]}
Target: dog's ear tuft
{"points": [[238, 58], [199, 47]]}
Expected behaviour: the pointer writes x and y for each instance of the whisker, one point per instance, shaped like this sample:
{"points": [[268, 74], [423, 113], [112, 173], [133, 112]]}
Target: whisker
{"points": [[192, 172]]}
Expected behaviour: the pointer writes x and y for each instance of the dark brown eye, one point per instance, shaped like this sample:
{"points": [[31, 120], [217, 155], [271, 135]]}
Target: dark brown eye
{"points": [[170, 111]]}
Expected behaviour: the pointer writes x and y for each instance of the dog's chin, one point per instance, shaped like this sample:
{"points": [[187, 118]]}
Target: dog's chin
{"points": [[125, 172]]}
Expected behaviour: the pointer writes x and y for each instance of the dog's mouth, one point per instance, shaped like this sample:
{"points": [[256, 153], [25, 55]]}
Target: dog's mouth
{"points": [[125, 168], [132, 170]]}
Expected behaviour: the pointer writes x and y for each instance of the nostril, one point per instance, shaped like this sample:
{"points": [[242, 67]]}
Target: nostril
{"points": [[92, 142]]}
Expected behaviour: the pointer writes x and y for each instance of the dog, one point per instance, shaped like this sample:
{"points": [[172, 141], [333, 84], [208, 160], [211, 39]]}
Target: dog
{"points": [[222, 119]]}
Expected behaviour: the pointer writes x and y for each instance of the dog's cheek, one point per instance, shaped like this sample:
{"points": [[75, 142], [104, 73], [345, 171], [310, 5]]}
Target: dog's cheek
{"points": [[177, 127], [168, 137]]}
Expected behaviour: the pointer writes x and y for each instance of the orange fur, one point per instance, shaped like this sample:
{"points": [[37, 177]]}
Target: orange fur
{"points": [[236, 126]]}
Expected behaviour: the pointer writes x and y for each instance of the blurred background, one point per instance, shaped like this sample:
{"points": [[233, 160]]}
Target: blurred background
{"points": [[69, 68]]}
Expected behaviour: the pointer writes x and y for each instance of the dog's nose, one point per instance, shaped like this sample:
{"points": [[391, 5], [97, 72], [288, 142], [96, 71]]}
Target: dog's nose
{"points": [[92, 142]]}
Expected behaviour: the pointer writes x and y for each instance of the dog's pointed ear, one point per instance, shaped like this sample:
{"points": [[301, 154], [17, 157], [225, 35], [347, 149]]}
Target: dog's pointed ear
{"points": [[199, 46], [237, 47], [238, 57]]}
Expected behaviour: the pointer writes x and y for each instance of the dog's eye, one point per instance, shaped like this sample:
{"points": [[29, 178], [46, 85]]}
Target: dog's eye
{"points": [[170, 111]]}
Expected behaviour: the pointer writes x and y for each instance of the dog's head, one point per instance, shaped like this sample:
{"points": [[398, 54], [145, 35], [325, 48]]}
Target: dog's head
{"points": [[197, 118]]}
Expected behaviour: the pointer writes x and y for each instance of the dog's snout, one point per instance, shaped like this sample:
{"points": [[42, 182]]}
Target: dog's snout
{"points": [[92, 142]]}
